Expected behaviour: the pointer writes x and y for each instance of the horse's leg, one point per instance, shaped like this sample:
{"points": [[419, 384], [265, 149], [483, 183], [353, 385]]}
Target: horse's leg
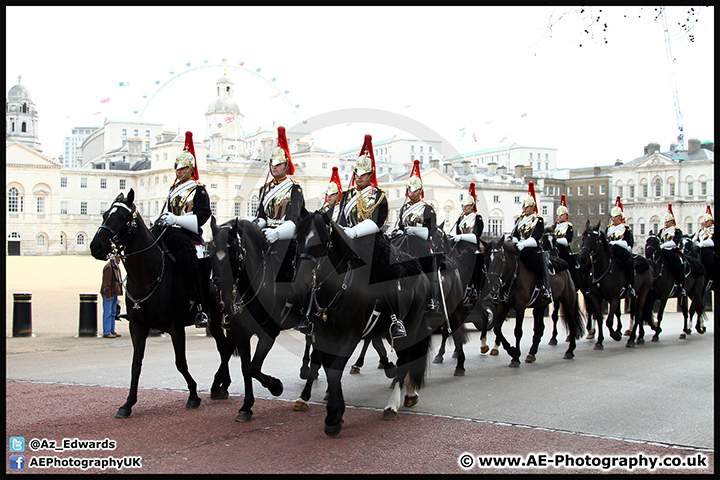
{"points": [[361, 359], [225, 347], [612, 310], [571, 311], [597, 311], [590, 318], [554, 316], [518, 331], [384, 362], [301, 404], [458, 338], [177, 332], [390, 412], [538, 330], [242, 340], [334, 366], [444, 336], [305, 367], [266, 340], [139, 334], [660, 313], [686, 324], [497, 329]]}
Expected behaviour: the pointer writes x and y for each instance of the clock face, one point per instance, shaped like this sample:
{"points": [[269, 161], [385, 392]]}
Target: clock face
{"points": [[220, 125]]}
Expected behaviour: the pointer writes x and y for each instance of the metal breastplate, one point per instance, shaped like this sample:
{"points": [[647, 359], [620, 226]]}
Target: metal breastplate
{"points": [[706, 233], [561, 229], [527, 225], [467, 224], [614, 234], [363, 207], [277, 207], [667, 234], [413, 215], [181, 204]]}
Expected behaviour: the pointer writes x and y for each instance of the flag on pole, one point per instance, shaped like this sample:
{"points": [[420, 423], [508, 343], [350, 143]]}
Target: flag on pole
{"points": [[523, 115], [105, 100], [463, 133], [229, 119], [504, 139], [474, 137]]}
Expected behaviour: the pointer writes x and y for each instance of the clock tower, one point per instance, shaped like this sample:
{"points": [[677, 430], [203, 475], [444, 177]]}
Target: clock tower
{"points": [[224, 124]]}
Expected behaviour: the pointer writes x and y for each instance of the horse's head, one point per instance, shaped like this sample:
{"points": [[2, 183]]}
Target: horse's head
{"points": [[688, 247], [549, 241], [592, 244], [226, 260], [500, 263], [119, 223], [652, 248]]}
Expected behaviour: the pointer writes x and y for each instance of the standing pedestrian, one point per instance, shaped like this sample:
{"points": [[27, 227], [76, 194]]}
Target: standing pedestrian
{"points": [[110, 289]]}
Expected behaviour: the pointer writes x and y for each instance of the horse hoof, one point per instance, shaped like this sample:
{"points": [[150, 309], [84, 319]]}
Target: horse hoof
{"points": [[616, 336], [193, 403], [514, 363], [494, 351], [219, 395], [391, 372], [568, 356], [682, 336], [123, 413], [530, 359], [641, 341], [627, 332], [326, 397], [700, 330], [333, 430], [484, 349], [630, 344], [300, 405], [305, 373], [655, 338], [354, 370], [411, 401], [454, 355], [276, 388], [553, 341], [243, 416], [590, 336], [459, 372], [598, 346], [389, 414], [438, 359]]}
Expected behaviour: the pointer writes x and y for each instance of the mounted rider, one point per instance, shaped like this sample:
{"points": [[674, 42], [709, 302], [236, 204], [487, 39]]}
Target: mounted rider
{"points": [[563, 231], [333, 195], [621, 239], [705, 240], [527, 235], [188, 208], [417, 218], [469, 227], [670, 241], [364, 210]]}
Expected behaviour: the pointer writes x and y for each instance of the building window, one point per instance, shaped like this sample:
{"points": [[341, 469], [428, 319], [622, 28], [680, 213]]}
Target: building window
{"points": [[213, 208], [656, 228], [591, 211], [40, 241], [40, 205], [672, 189], [63, 207], [703, 188], [530, 155], [547, 165], [103, 183], [496, 198], [83, 183], [658, 188], [691, 189], [631, 191], [122, 184], [689, 229], [580, 190], [80, 239], [238, 209], [601, 209], [253, 206], [642, 229], [496, 228], [644, 191], [569, 191], [517, 199], [213, 186], [63, 182], [591, 190], [103, 207], [83, 208], [544, 210], [124, 131], [602, 189], [13, 200], [157, 207], [619, 191]]}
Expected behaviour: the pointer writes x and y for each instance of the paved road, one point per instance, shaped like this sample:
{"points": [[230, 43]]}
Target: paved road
{"points": [[655, 398]]}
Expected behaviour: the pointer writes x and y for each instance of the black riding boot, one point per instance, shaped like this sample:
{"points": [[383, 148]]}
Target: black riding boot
{"points": [[433, 277], [202, 286], [629, 281], [545, 292], [305, 326]]}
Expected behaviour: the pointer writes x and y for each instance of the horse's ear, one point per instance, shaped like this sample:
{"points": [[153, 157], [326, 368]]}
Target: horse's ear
{"points": [[131, 196], [597, 227], [213, 225], [442, 226]]}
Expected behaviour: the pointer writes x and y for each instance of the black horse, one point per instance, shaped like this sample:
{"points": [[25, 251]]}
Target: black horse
{"points": [[254, 279], [606, 278], [694, 256], [580, 279], [512, 285], [157, 295], [665, 287], [346, 281]]}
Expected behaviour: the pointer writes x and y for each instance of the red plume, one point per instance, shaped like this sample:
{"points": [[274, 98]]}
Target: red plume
{"points": [[416, 171], [190, 147], [708, 210], [531, 191], [471, 191], [562, 200], [368, 148], [618, 203], [335, 178], [283, 143]]}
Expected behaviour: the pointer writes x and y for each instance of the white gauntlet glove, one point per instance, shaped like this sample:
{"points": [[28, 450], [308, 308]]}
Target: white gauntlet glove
{"points": [[421, 232], [562, 241], [528, 242], [366, 227], [668, 244]]}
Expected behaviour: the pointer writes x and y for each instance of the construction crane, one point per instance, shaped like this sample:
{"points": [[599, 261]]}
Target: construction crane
{"points": [[678, 114]]}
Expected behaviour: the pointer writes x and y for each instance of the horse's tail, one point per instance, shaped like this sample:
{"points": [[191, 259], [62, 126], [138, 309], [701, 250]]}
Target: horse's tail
{"points": [[419, 357], [460, 335], [574, 319], [647, 310]]}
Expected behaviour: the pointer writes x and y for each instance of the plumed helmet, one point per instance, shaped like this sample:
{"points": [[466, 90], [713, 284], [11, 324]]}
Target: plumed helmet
{"points": [[471, 199], [669, 217], [617, 209], [281, 153], [562, 209], [366, 162], [708, 215], [334, 186], [415, 181], [530, 199], [187, 158]]}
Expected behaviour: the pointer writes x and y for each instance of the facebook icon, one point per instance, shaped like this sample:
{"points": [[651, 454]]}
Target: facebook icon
{"points": [[17, 462]]}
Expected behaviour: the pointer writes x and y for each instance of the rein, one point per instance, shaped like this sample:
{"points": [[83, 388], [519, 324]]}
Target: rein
{"points": [[512, 284], [593, 261]]}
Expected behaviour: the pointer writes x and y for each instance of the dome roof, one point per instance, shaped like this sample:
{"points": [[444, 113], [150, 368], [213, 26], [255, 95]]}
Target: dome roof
{"points": [[225, 79], [18, 93], [223, 105]]}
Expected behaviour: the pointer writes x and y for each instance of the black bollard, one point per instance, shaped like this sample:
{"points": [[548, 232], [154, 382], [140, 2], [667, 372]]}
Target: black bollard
{"points": [[22, 315], [88, 315]]}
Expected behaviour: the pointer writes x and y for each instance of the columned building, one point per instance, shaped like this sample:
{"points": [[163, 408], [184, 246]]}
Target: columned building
{"points": [[21, 117]]}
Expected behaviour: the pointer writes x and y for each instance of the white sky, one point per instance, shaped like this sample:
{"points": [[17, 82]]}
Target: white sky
{"points": [[480, 68]]}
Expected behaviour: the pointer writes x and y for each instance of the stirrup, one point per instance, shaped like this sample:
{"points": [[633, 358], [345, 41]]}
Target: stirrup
{"points": [[545, 293], [397, 328], [433, 305], [201, 320], [225, 323], [305, 327]]}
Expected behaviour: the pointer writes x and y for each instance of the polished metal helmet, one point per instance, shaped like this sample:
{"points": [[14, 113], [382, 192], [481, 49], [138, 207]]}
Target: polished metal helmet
{"points": [[415, 181], [669, 217], [708, 215], [562, 209], [187, 159]]}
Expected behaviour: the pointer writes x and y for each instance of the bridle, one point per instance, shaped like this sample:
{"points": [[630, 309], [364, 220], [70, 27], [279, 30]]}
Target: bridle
{"points": [[594, 260], [499, 296]]}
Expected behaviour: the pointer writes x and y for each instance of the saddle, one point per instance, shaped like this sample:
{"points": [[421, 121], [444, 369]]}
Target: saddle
{"points": [[181, 250]]}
